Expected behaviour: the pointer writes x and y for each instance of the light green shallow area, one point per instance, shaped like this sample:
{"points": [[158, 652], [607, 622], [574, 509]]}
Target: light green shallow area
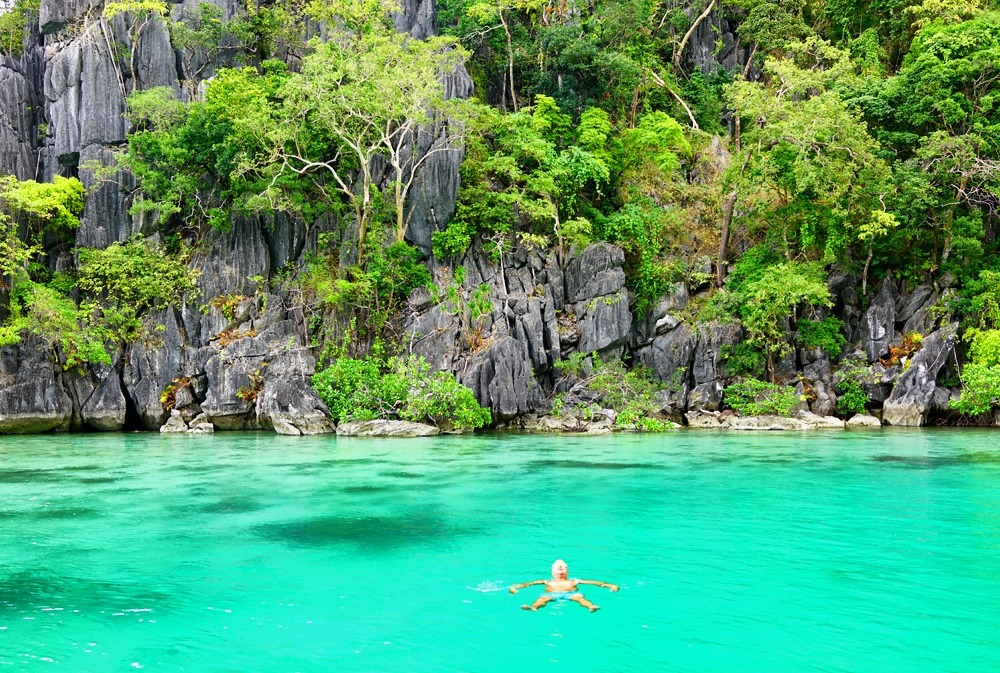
{"points": [[844, 551]]}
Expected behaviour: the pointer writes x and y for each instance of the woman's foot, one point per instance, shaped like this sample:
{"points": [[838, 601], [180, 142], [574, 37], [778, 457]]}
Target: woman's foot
{"points": [[594, 608], [529, 607]]}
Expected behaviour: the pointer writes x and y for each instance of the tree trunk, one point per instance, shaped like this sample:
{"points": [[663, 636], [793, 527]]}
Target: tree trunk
{"points": [[689, 33], [510, 59], [727, 219]]}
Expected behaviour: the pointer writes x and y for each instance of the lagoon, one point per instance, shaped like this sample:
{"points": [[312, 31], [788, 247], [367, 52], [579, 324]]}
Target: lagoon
{"points": [[839, 551]]}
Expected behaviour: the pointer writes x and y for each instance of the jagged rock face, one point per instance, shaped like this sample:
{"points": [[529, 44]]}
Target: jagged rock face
{"points": [[287, 400], [233, 258], [877, 325], [151, 367], [671, 355], [595, 285], [705, 43], [501, 379], [18, 122], [661, 319], [105, 218], [435, 187], [914, 310], [417, 17], [916, 394], [105, 410], [31, 399]]}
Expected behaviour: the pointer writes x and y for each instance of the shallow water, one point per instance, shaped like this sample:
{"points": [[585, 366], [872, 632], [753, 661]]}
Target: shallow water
{"points": [[735, 552]]}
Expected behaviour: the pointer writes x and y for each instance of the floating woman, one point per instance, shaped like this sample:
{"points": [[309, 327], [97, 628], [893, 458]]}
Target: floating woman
{"points": [[561, 588]]}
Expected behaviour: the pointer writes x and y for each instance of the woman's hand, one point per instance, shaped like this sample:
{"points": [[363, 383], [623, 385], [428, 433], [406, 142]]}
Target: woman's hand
{"points": [[513, 590]]}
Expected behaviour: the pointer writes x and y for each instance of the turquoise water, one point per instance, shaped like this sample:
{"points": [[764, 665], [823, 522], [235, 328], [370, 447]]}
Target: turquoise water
{"points": [[242, 552]]}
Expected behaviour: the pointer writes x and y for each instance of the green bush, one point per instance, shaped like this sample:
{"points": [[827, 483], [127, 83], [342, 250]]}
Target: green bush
{"points": [[439, 399], [631, 393], [399, 388], [452, 241], [852, 398], [826, 334], [130, 279], [752, 397], [981, 389], [981, 376], [350, 389], [55, 318]]}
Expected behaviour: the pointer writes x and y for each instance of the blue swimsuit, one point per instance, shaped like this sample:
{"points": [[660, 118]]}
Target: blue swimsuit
{"points": [[562, 595]]}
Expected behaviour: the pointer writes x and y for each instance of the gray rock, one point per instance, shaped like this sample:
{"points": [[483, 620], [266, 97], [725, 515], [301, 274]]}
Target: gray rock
{"points": [[18, 116], [434, 336], [818, 422], [595, 272], [916, 394], [765, 422], [288, 402], [501, 379], [825, 403], [671, 355], [232, 259], [31, 397], [816, 365], [604, 323], [922, 321], [105, 218], [200, 425], [151, 367], [86, 100], [706, 396], [432, 198], [714, 44], [702, 419], [709, 360], [383, 428], [877, 324], [863, 421], [536, 327], [908, 304], [417, 17], [229, 400], [174, 424], [105, 409]]}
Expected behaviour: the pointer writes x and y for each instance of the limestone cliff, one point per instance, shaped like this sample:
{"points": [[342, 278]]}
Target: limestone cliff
{"points": [[61, 113]]}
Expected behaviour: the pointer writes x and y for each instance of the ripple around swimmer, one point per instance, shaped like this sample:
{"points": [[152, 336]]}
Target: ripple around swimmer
{"points": [[367, 533]]}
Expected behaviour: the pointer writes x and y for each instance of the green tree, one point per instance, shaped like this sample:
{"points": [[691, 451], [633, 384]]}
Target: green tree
{"points": [[361, 98], [525, 173], [13, 24], [770, 301], [128, 280], [808, 174]]}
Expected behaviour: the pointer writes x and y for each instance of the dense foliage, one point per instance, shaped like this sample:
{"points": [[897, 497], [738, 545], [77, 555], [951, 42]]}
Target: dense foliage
{"points": [[847, 135], [752, 397], [397, 388]]}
